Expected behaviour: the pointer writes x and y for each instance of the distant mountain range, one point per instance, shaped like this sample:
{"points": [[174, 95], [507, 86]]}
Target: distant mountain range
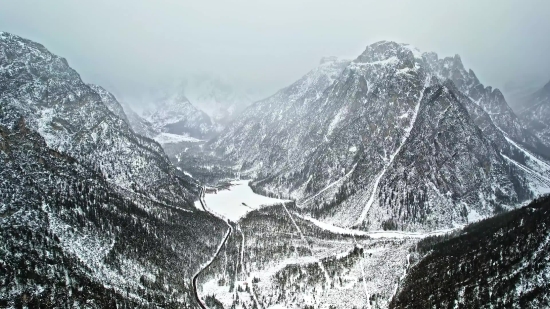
{"points": [[216, 97], [198, 107]]}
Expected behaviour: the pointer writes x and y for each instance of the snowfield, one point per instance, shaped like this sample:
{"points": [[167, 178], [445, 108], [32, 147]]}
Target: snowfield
{"points": [[237, 201], [169, 138]]}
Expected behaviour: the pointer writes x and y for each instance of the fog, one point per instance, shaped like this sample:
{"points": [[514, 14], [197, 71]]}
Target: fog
{"points": [[132, 47]]}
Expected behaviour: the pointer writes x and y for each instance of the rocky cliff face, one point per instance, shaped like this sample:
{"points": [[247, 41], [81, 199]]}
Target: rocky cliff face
{"points": [[354, 142], [490, 100], [139, 124]]}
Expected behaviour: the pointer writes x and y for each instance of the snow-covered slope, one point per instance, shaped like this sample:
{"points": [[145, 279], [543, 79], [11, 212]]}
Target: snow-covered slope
{"points": [[535, 112], [262, 134], [110, 102], [491, 100], [387, 141], [85, 122]]}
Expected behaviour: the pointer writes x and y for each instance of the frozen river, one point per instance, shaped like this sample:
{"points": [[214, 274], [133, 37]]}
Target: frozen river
{"points": [[237, 201]]}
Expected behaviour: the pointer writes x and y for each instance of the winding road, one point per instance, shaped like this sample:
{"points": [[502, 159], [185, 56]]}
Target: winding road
{"points": [[229, 231]]}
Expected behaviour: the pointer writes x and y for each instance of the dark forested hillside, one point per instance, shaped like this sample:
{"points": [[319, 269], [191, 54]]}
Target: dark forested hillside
{"points": [[501, 262]]}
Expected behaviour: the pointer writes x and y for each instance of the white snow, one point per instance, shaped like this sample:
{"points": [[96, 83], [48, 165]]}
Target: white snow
{"points": [[169, 138], [237, 201], [352, 148], [337, 118], [540, 165], [277, 307], [403, 116], [390, 60]]}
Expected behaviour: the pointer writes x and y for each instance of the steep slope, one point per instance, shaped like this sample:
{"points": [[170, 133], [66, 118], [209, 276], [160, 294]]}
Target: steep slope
{"points": [[69, 239], [535, 112], [176, 115], [491, 100], [356, 151], [517, 90], [263, 135], [500, 262], [447, 172], [77, 120]]}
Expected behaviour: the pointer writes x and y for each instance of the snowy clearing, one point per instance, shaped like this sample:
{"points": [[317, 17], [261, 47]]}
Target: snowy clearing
{"points": [[237, 201], [169, 138]]}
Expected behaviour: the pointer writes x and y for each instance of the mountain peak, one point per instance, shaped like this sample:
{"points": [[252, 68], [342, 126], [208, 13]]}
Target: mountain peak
{"points": [[389, 51]]}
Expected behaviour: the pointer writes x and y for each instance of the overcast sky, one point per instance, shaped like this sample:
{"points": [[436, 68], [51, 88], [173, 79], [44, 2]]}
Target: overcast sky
{"points": [[132, 46]]}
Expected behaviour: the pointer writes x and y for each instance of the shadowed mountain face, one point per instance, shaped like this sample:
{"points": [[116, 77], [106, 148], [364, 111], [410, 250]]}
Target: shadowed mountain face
{"points": [[394, 139], [535, 112]]}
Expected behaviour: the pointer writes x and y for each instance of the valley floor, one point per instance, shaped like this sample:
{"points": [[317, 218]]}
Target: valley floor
{"points": [[278, 258]]}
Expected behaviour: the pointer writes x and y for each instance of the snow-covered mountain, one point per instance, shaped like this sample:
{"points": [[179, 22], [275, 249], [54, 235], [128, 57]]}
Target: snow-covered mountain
{"points": [[76, 119], [175, 114], [393, 139], [535, 112], [216, 97], [521, 88], [91, 213], [110, 102]]}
